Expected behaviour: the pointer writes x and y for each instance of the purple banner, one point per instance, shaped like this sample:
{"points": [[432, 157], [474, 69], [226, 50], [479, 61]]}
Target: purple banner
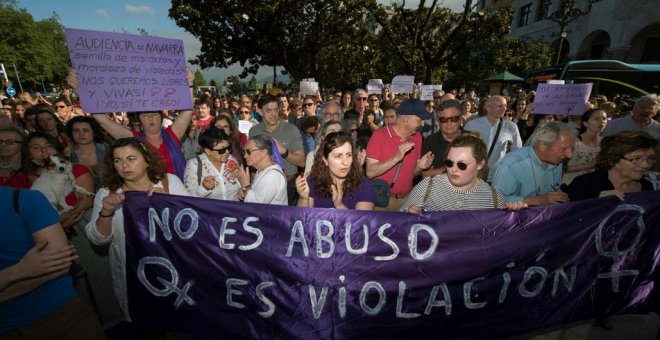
{"points": [[562, 99], [125, 72], [229, 269]]}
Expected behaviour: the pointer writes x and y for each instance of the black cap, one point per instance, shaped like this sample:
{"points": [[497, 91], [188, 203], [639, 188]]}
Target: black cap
{"points": [[413, 107]]}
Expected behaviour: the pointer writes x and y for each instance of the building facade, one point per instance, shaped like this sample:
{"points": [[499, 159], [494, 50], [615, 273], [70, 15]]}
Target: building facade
{"points": [[625, 30]]}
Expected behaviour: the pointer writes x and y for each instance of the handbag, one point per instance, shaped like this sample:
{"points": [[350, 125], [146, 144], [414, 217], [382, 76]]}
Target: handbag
{"points": [[382, 189]]}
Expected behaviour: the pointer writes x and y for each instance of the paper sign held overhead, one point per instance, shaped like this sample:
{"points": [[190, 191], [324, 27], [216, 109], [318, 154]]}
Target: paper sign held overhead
{"points": [[375, 86], [562, 99], [403, 84], [309, 87], [427, 91], [125, 72]]}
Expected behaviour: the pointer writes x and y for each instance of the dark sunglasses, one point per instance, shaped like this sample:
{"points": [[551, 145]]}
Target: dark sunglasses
{"points": [[437, 97], [450, 164], [308, 104], [245, 112], [453, 119], [223, 150], [361, 98], [250, 151]]}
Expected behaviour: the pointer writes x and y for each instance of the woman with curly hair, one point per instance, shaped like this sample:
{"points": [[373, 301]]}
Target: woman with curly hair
{"points": [[130, 166], [336, 179]]}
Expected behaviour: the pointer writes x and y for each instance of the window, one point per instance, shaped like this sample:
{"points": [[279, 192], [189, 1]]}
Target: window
{"points": [[544, 10], [525, 12]]}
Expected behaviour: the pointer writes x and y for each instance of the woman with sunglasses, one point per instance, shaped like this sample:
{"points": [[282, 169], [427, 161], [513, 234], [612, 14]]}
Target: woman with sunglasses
{"points": [[237, 139], [213, 174], [269, 183], [459, 188], [130, 166], [336, 179]]}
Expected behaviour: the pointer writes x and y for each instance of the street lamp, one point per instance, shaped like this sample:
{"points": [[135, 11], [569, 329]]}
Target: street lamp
{"points": [[564, 16]]}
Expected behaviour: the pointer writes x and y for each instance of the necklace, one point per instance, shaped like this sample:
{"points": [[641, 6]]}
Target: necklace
{"points": [[11, 166]]}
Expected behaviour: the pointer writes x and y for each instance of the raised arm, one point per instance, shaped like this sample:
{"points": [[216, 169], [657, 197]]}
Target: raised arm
{"points": [[181, 123]]}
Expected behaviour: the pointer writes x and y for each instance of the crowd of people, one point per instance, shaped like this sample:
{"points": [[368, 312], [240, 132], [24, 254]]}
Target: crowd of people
{"points": [[458, 151]]}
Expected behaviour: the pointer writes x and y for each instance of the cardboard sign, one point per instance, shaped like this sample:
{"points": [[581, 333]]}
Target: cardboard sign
{"points": [[375, 86], [309, 87], [562, 99], [427, 91], [125, 72], [403, 84]]}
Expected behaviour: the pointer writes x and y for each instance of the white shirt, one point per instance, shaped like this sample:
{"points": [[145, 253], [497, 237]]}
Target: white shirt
{"points": [[117, 238], [268, 187], [226, 185], [508, 135]]}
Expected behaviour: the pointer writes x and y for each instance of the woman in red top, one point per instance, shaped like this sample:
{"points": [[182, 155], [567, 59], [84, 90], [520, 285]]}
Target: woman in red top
{"points": [[11, 167], [37, 149]]}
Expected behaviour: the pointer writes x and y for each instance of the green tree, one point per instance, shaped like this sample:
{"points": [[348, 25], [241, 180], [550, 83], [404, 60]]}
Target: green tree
{"points": [[290, 33], [37, 48], [199, 79]]}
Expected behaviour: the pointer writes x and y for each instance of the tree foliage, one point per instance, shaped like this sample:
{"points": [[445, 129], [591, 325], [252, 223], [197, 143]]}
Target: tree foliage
{"points": [[37, 48], [199, 79]]}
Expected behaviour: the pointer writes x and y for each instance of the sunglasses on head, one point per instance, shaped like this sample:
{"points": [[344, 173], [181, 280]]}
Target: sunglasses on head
{"points": [[450, 164], [222, 150], [453, 119]]}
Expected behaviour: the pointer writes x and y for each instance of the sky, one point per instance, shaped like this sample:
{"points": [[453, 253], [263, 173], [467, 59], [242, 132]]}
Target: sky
{"points": [[151, 15]]}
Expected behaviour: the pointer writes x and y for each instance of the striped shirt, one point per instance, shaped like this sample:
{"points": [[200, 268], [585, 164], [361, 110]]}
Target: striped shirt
{"points": [[444, 197]]}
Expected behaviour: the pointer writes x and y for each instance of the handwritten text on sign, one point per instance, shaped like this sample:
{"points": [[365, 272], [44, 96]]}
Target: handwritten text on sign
{"points": [[562, 99], [124, 72], [209, 266]]}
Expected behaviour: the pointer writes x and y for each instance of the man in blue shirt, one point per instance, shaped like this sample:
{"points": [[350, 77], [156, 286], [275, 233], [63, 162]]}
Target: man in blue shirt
{"points": [[533, 174], [37, 298]]}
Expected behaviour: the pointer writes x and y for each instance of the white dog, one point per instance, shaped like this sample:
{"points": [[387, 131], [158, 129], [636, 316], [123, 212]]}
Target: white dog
{"points": [[57, 183]]}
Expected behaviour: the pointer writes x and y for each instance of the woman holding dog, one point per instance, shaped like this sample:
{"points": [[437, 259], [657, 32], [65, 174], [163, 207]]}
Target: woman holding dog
{"points": [[130, 166]]}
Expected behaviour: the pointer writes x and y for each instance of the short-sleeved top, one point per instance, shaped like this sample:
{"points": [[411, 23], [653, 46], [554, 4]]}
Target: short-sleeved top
{"points": [[287, 135], [364, 193], [582, 154], [443, 197], [162, 149], [15, 241], [383, 144], [590, 185], [628, 124], [509, 135], [438, 145]]}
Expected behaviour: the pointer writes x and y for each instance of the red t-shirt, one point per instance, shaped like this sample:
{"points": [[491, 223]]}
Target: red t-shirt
{"points": [[383, 144], [78, 170], [162, 150], [203, 124], [17, 180]]}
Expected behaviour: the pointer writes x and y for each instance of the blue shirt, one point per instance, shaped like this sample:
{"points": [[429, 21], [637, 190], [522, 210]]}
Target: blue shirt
{"points": [[521, 174], [15, 240]]}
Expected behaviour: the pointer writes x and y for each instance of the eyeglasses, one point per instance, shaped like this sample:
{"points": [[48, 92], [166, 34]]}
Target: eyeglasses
{"points": [[450, 164], [364, 99], [250, 151], [10, 141], [307, 104], [640, 160], [453, 119], [223, 150]]}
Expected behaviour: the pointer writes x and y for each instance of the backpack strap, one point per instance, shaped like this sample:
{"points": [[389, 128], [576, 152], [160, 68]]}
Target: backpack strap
{"points": [[428, 190], [496, 202], [17, 208], [199, 170]]}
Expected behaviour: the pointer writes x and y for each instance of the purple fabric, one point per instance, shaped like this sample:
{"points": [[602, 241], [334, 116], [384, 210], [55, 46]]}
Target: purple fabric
{"points": [[173, 150], [218, 268], [277, 158], [364, 193]]}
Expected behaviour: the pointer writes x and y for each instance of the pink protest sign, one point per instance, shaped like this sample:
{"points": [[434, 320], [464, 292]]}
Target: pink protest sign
{"points": [[125, 72], [562, 99]]}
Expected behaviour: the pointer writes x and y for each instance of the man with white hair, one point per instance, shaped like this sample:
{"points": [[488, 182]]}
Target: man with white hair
{"points": [[644, 110], [533, 174]]}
